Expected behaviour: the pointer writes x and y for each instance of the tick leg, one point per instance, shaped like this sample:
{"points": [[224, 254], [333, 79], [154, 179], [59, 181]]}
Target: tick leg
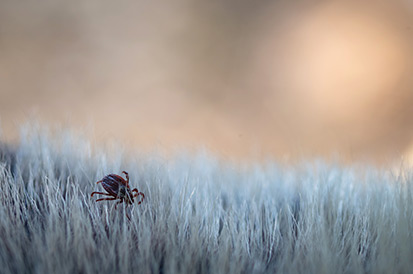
{"points": [[126, 212], [127, 177], [119, 202], [102, 193], [106, 199], [143, 197], [137, 194], [99, 181]]}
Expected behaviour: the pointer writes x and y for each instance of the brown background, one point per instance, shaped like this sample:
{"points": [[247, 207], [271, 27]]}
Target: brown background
{"points": [[246, 79]]}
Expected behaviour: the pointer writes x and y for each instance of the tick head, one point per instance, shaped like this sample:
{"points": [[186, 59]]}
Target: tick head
{"points": [[129, 196], [125, 193], [122, 192]]}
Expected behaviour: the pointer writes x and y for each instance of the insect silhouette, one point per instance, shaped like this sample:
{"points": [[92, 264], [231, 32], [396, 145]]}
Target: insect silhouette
{"points": [[118, 188]]}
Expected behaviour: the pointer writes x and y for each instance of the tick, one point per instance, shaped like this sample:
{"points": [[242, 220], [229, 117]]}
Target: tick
{"points": [[118, 188]]}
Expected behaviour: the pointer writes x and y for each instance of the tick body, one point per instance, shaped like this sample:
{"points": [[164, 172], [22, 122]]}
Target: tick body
{"points": [[118, 189]]}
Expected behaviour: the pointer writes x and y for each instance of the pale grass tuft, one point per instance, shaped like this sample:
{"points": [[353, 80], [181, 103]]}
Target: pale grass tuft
{"points": [[200, 215]]}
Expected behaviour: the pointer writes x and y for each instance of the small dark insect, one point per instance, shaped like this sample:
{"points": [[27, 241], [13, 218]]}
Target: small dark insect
{"points": [[118, 188]]}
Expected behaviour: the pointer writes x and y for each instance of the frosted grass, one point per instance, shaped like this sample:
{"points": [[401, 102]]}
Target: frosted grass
{"points": [[200, 215]]}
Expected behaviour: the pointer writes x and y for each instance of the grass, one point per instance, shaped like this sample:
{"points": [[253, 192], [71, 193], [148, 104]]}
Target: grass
{"points": [[200, 215]]}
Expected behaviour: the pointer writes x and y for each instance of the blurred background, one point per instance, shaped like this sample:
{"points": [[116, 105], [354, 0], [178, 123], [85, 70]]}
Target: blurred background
{"points": [[246, 79]]}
